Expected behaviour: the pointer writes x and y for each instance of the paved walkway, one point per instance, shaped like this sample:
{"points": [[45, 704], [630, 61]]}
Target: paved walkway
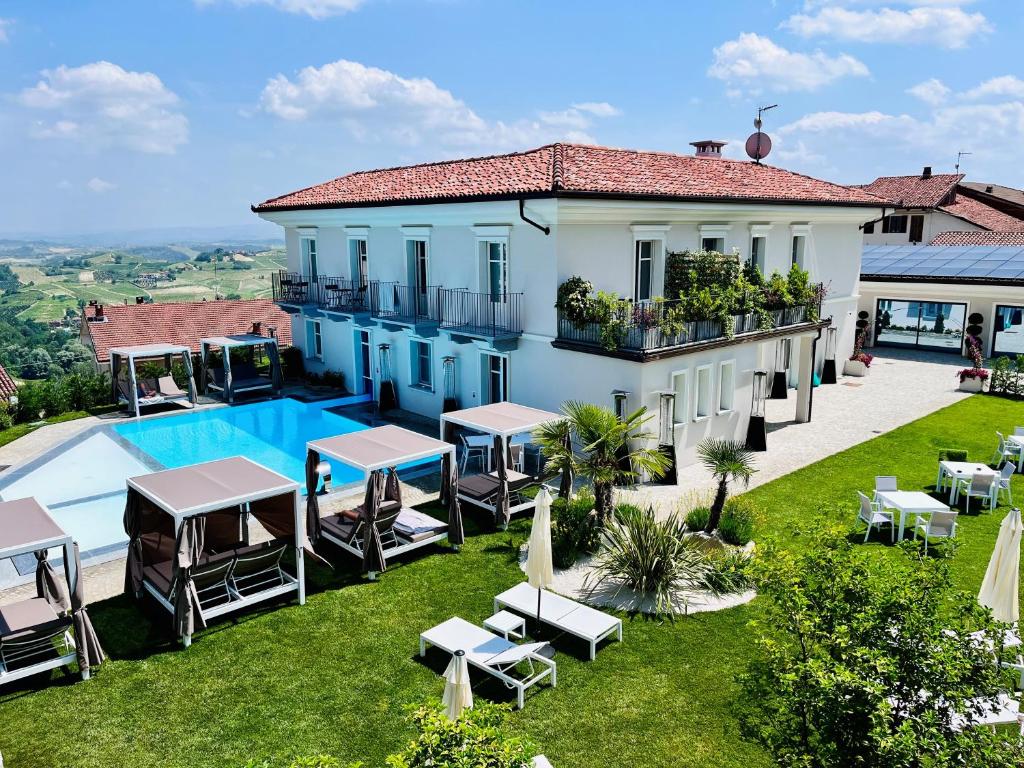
{"points": [[902, 386]]}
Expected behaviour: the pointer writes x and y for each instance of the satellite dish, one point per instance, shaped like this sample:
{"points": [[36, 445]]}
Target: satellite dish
{"points": [[758, 146]]}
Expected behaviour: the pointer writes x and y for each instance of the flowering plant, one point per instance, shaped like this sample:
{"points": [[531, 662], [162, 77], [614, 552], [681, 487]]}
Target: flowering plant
{"points": [[974, 351], [859, 355], [972, 373]]}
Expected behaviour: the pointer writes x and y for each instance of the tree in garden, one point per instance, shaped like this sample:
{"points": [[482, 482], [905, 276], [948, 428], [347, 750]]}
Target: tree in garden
{"points": [[940, 323], [870, 664], [604, 449], [727, 460]]}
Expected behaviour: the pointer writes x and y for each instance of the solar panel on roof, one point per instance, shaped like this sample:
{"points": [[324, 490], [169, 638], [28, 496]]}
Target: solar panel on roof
{"points": [[967, 261]]}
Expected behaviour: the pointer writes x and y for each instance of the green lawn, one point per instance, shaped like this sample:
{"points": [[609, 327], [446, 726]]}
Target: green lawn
{"points": [[333, 676]]}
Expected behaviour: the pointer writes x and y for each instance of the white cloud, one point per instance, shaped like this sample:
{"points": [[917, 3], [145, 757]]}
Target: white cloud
{"points": [[5, 25], [103, 105], [374, 104], [99, 186], [876, 123], [757, 63], [64, 184], [316, 9], [1006, 85], [947, 27], [932, 91]]}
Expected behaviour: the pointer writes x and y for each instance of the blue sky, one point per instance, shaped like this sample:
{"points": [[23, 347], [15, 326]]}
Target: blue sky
{"points": [[129, 115]]}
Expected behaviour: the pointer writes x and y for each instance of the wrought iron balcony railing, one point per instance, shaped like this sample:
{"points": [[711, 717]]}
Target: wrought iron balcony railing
{"points": [[491, 315], [405, 304]]}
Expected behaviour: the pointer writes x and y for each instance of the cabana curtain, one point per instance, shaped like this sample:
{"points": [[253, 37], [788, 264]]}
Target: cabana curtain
{"points": [[275, 366], [47, 585], [190, 541], [225, 528], [277, 516], [373, 550], [393, 488], [133, 527], [450, 498], [502, 503], [312, 503], [90, 652], [186, 361]]}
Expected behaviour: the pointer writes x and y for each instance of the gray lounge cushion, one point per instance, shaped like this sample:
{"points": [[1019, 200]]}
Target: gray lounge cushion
{"points": [[35, 616]]}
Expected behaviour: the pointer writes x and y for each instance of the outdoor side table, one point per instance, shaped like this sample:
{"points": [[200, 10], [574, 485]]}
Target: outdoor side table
{"points": [[507, 624]]}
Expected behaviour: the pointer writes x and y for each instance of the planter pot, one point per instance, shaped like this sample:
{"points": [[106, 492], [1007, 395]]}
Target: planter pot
{"points": [[971, 385], [854, 368]]}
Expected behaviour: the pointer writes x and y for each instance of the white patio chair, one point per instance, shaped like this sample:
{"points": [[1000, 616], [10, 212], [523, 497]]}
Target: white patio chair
{"points": [[478, 446], [518, 451], [1003, 481], [1006, 450], [885, 483], [937, 525], [871, 512], [980, 486]]}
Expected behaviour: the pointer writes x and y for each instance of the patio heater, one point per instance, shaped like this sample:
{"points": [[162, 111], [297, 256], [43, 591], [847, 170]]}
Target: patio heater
{"points": [[780, 383], [451, 403], [667, 432], [388, 395], [757, 430], [828, 368]]}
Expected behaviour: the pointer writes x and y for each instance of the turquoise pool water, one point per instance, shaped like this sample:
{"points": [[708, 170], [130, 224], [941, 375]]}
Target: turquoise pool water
{"points": [[273, 433]]}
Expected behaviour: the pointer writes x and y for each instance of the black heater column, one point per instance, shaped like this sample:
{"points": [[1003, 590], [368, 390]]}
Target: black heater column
{"points": [[780, 382], [757, 429], [828, 368]]}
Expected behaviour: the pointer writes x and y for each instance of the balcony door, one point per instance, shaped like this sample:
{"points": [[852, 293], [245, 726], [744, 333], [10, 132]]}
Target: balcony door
{"points": [[496, 262], [643, 289], [309, 265], [360, 270], [364, 363], [495, 384], [419, 272]]}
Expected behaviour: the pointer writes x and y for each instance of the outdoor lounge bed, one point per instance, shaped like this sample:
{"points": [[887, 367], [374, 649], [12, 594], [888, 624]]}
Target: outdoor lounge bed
{"points": [[499, 492], [188, 539], [239, 376], [135, 393], [493, 654], [562, 613], [381, 527], [53, 629]]}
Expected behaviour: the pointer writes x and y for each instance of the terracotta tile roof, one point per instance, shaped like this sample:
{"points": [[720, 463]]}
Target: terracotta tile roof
{"points": [[7, 385], [182, 323], [914, 191], [983, 215], [571, 170], [980, 238]]}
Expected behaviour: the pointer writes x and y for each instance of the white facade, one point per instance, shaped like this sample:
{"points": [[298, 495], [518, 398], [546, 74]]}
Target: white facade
{"points": [[593, 239], [901, 225]]}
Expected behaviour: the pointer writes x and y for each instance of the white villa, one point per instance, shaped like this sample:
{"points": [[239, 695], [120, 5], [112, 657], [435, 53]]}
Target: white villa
{"points": [[442, 279]]}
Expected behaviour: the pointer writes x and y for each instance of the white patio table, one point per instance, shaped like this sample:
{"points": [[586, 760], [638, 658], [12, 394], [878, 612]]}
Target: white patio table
{"points": [[961, 470], [909, 502]]}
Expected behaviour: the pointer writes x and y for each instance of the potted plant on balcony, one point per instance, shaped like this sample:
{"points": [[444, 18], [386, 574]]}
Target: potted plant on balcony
{"points": [[973, 379], [860, 361]]}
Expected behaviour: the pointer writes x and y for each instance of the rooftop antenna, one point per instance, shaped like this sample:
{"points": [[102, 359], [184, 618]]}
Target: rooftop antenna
{"points": [[759, 144], [960, 154]]}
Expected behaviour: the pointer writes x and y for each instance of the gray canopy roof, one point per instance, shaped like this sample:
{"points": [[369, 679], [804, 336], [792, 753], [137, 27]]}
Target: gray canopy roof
{"points": [[26, 525], [213, 485], [380, 447], [237, 340], [504, 419], [148, 350]]}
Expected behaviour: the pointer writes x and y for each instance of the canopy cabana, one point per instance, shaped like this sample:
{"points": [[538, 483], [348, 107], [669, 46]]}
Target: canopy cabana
{"points": [[382, 527], [52, 629], [233, 378], [137, 393], [499, 491], [189, 539]]}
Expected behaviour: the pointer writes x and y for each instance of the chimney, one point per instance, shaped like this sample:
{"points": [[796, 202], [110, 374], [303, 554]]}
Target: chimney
{"points": [[927, 172], [140, 299], [989, 189], [97, 316], [257, 328], [708, 148]]}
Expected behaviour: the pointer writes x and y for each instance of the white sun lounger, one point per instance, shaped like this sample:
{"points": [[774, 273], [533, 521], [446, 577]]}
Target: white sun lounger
{"points": [[567, 615], [492, 653]]}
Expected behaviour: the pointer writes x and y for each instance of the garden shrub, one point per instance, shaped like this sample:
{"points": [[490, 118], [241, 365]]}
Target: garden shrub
{"points": [[952, 454], [737, 523], [81, 390], [292, 364], [729, 572], [6, 421], [697, 518], [574, 300], [574, 530]]}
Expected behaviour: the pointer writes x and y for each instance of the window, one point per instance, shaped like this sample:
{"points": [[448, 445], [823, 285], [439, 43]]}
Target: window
{"points": [[644, 270], [757, 252], [314, 340], [1008, 322], [797, 250], [495, 257], [421, 374], [916, 228], [702, 399], [894, 225], [716, 244], [308, 245], [495, 369], [726, 386], [360, 263], [679, 414]]}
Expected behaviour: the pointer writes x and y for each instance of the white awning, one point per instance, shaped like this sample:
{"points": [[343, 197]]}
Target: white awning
{"points": [[149, 350], [380, 447], [504, 419]]}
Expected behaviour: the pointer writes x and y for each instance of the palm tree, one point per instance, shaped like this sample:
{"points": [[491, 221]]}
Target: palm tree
{"points": [[601, 449], [726, 460]]}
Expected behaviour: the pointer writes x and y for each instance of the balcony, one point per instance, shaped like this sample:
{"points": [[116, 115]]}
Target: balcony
{"points": [[405, 305], [344, 297], [293, 290], [650, 330], [492, 317]]}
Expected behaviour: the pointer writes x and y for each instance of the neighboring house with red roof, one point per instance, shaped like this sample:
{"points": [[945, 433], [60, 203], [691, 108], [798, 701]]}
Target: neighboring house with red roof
{"points": [[929, 204], [980, 238], [446, 274], [184, 323], [8, 387]]}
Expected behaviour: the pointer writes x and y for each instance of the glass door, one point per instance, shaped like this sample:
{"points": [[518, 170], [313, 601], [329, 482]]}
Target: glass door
{"points": [[497, 271], [920, 325], [365, 363], [1009, 331], [420, 275], [496, 378]]}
